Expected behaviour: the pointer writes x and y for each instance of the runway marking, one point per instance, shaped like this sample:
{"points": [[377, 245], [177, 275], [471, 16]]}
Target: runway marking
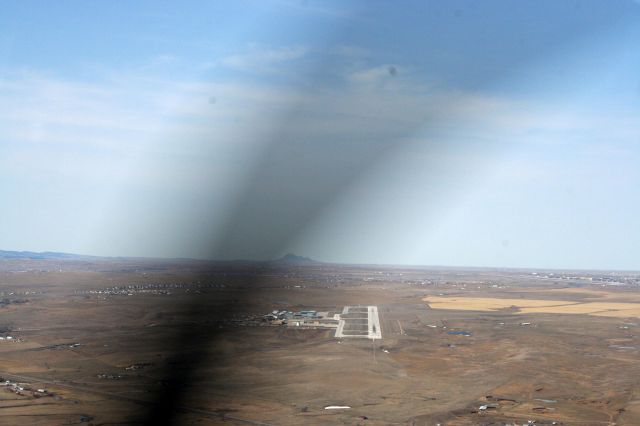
{"points": [[374, 323], [351, 323]]}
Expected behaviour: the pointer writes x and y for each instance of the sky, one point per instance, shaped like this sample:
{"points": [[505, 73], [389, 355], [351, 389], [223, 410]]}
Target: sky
{"points": [[461, 133]]}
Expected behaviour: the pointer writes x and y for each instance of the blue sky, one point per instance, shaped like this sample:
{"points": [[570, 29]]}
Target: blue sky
{"points": [[441, 133]]}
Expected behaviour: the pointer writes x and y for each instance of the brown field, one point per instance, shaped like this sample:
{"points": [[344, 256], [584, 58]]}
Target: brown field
{"points": [[532, 306], [109, 357]]}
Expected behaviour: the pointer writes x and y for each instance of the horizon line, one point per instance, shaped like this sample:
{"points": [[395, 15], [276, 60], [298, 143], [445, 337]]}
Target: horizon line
{"points": [[67, 255]]}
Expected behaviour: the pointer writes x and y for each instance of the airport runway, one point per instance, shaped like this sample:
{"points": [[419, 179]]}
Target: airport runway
{"points": [[359, 321]]}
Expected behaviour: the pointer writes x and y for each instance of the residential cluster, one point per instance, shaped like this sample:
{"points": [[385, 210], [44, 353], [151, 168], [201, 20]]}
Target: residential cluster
{"points": [[615, 278], [151, 288], [22, 389]]}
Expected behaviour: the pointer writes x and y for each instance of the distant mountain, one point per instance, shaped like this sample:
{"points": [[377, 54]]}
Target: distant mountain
{"points": [[289, 258], [5, 254], [295, 259]]}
